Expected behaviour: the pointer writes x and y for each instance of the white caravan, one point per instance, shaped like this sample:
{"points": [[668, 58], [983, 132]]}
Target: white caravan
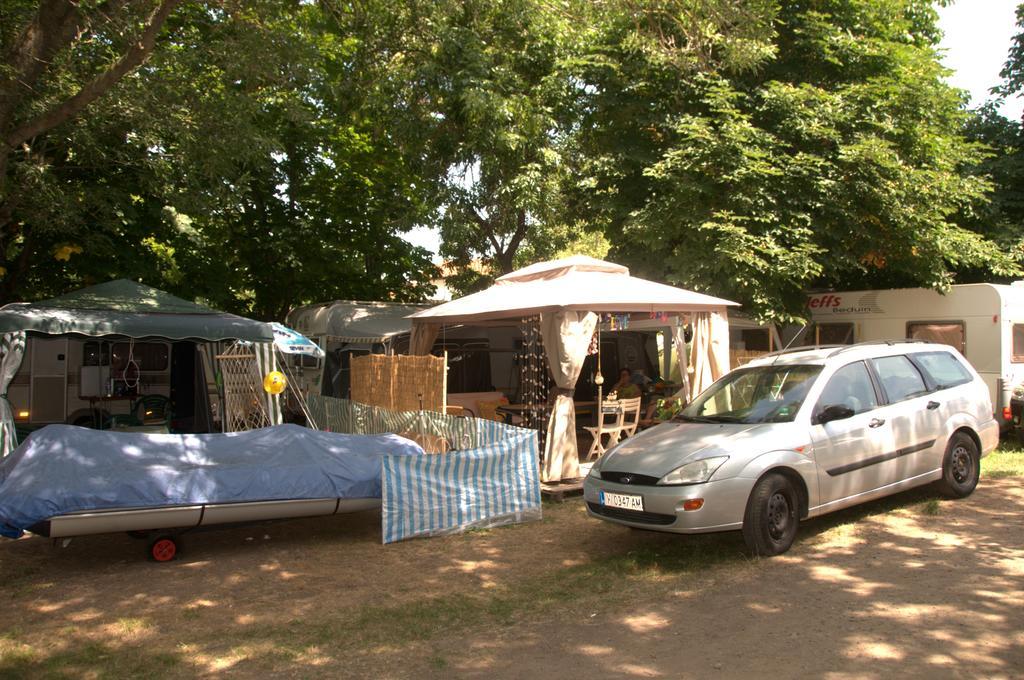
{"points": [[985, 322], [84, 381]]}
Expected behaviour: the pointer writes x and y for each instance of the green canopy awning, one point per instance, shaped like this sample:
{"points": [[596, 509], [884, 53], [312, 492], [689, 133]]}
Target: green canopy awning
{"points": [[133, 310]]}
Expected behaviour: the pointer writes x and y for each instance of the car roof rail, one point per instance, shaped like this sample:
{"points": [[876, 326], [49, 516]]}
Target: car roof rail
{"points": [[904, 341], [801, 348]]}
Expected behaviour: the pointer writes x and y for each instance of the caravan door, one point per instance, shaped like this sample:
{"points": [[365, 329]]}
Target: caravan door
{"points": [[49, 396]]}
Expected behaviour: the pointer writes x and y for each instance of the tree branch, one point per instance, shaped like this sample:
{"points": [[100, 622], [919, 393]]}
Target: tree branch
{"points": [[54, 26], [486, 229], [135, 55], [521, 230]]}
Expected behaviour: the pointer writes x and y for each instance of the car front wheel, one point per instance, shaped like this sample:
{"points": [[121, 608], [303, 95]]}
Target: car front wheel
{"points": [[961, 467], [772, 516]]}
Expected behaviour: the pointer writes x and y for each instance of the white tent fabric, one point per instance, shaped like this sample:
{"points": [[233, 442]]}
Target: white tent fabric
{"points": [[574, 284], [679, 342], [12, 346], [709, 350], [423, 337], [567, 337]]}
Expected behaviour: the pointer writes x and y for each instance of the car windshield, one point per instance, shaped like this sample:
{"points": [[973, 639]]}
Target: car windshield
{"points": [[761, 394]]}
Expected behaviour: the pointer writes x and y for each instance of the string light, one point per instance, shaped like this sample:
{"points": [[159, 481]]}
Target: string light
{"points": [[533, 377]]}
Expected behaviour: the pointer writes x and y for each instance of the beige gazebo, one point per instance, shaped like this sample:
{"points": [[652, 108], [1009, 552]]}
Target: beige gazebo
{"points": [[567, 295]]}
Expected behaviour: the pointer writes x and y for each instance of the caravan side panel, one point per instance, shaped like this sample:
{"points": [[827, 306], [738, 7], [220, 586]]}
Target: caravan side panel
{"points": [[888, 314]]}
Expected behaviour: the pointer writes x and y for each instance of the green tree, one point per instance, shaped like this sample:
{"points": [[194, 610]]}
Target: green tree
{"points": [[253, 162], [502, 80], [1000, 216], [60, 57], [836, 160], [1013, 70]]}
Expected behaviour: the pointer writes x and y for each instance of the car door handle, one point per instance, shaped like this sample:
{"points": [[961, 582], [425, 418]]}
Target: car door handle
{"points": [[932, 405], [876, 422]]}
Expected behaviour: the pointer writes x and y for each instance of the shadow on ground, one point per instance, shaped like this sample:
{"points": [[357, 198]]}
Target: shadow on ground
{"points": [[907, 584]]}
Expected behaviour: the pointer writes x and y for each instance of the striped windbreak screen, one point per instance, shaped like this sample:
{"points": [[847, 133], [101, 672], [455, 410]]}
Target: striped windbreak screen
{"points": [[488, 478]]}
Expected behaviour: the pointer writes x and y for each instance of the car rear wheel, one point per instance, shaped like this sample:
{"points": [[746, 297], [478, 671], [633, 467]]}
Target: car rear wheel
{"points": [[961, 467], [772, 516]]}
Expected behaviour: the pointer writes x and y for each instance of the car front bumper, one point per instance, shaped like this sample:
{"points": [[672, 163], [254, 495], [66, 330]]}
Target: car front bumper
{"points": [[725, 502]]}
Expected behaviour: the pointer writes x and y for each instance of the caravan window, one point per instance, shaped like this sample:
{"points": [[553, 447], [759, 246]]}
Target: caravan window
{"points": [[96, 354], [150, 356], [1018, 343], [944, 332], [833, 334]]}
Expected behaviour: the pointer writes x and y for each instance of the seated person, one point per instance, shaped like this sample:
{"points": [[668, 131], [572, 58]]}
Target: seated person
{"points": [[625, 388]]}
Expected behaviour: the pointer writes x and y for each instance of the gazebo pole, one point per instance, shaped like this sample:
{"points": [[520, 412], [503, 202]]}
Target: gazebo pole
{"points": [[598, 378]]}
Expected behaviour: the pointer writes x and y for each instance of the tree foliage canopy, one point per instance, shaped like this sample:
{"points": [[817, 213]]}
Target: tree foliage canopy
{"points": [[251, 162], [263, 154], [837, 162]]}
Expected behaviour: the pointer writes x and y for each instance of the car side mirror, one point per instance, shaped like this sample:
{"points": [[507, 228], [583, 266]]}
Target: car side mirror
{"points": [[834, 412]]}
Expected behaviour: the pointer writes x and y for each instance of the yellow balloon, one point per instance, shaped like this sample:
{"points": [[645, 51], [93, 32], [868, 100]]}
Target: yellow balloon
{"points": [[274, 382]]}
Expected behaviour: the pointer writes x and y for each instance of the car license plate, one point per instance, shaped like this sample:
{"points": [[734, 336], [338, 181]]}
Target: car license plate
{"points": [[626, 501]]}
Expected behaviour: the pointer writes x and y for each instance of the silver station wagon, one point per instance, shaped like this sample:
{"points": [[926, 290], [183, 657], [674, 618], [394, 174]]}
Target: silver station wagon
{"points": [[798, 434]]}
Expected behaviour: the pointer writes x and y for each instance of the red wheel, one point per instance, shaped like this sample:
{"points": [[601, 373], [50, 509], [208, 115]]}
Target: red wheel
{"points": [[163, 549]]}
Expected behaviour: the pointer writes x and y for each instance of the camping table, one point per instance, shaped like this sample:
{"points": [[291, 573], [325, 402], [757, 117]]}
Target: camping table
{"points": [[99, 399], [509, 411]]}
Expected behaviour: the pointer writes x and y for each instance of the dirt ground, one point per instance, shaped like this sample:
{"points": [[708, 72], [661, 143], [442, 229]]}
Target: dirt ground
{"points": [[908, 585]]}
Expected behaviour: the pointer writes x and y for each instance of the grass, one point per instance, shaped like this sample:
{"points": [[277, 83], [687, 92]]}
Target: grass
{"points": [[605, 583], [87, 659], [1006, 461]]}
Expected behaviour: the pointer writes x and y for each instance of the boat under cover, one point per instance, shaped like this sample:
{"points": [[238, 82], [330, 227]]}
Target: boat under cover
{"points": [[63, 469]]}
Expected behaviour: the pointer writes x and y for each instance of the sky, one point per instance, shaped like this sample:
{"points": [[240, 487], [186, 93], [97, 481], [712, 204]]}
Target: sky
{"points": [[976, 42]]}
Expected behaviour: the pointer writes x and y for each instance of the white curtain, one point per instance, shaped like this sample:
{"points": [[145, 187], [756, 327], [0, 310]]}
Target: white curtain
{"points": [[679, 342], [424, 333], [566, 340], [709, 350], [12, 345], [266, 361]]}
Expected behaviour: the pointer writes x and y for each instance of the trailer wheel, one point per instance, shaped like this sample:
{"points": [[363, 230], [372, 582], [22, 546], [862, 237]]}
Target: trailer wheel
{"points": [[163, 549]]}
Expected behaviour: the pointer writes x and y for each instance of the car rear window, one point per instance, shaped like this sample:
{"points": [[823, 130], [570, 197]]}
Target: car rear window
{"points": [[900, 378], [944, 368]]}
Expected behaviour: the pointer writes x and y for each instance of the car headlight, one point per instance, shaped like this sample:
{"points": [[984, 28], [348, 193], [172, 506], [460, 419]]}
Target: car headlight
{"points": [[697, 472], [595, 469]]}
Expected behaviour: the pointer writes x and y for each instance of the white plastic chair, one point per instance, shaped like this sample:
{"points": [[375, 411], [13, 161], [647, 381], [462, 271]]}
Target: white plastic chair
{"points": [[630, 415], [609, 409]]}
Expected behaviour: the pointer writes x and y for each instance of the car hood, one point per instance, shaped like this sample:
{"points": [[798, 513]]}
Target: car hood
{"points": [[661, 449]]}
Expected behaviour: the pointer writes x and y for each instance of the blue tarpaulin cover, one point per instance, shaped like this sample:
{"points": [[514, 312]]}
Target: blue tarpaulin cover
{"points": [[62, 468]]}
